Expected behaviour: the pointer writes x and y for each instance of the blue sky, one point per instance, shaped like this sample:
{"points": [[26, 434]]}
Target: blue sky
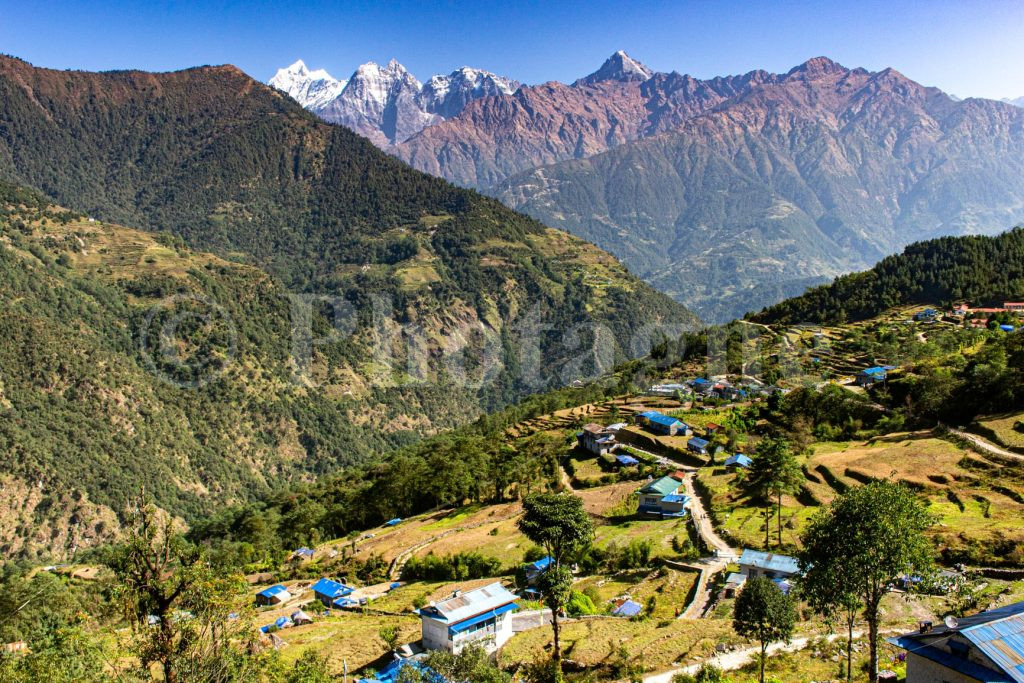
{"points": [[969, 48]]}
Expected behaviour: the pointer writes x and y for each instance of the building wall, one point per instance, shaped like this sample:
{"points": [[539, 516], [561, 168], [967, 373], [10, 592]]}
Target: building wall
{"points": [[435, 634], [923, 670]]}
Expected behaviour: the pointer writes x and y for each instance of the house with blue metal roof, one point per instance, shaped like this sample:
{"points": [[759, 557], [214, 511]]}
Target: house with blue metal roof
{"points": [[658, 423], [988, 646], [869, 376], [662, 498], [754, 563], [482, 617], [392, 673], [627, 608], [274, 595], [698, 445], [329, 590], [738, 460]]}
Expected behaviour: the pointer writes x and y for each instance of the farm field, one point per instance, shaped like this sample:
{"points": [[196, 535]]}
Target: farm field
{"points": [[977, 502]]}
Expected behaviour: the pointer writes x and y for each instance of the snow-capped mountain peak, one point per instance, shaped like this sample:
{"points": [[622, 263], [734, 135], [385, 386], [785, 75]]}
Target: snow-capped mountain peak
{"points": [[387, 103], [619, 67], [311, 89], [447, 95]]}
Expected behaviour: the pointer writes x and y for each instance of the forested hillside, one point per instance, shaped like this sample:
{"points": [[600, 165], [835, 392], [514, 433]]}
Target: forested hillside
{"points": [[432, 281], [978, 269], [89, 416], [238, 168]]}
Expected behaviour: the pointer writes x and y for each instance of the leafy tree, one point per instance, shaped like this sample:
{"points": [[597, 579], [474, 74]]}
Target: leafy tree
{"points": [[559, 523], [866, 539], [64, 655], [774, 473], [829, 592], [763, 612], [389, 636], [200, 632]]}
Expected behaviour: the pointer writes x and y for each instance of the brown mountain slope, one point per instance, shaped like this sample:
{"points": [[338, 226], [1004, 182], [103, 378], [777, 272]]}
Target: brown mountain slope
{"points": [[496, 137], [804, 176]]}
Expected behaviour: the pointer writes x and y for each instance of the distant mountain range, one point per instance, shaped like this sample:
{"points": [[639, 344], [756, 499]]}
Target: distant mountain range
{"points": [[386, 103], [733, 192], [1019, 102]]}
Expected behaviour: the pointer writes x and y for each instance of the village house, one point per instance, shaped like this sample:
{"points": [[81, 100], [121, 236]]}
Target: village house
{"points": [[738, 460], [870, 376], [275, 595], [655, 422], [778, 568], [711, 428], [662, 498], [983, 647], [698, 445], [327, 591], [596, 439], [533, 570], [482, 617]]}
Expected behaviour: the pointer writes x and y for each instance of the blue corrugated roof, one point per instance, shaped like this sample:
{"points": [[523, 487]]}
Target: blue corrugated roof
{"points": [[490, 614], [664, 420], [627, 460], [542, 563], [876, 370], [950, 661], [1002, 640], [698, 442], [628, 609], [675, 498], [272, 591], [769, 561], [648, 413], [331, 588], [739, 460]]}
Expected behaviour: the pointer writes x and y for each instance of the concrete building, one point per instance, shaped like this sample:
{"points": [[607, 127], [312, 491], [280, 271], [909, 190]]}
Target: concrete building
{"points": [[481, 616], [988, 646]]}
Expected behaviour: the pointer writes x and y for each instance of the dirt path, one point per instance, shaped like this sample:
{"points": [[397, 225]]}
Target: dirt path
{"points": [[723, 553], [703, 522], [729, 661], [986, 446]]}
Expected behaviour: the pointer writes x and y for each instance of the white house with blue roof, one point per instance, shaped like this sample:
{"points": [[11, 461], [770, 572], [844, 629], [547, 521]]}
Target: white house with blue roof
{"points": [[988, 646], [482, 616], [275, 595]]}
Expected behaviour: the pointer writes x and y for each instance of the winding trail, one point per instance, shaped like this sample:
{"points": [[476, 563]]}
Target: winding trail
{"points": [[986, 446], [709, 566], [729, 661]]}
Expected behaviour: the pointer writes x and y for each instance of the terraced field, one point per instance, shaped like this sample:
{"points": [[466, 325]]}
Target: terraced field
{"points": [[977, 501]]}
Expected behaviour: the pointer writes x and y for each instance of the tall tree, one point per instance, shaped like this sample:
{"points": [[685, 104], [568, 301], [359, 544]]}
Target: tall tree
{"points": [[558, 523], [762, 611], [866, 539], [192, 622], [773, 474]]}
